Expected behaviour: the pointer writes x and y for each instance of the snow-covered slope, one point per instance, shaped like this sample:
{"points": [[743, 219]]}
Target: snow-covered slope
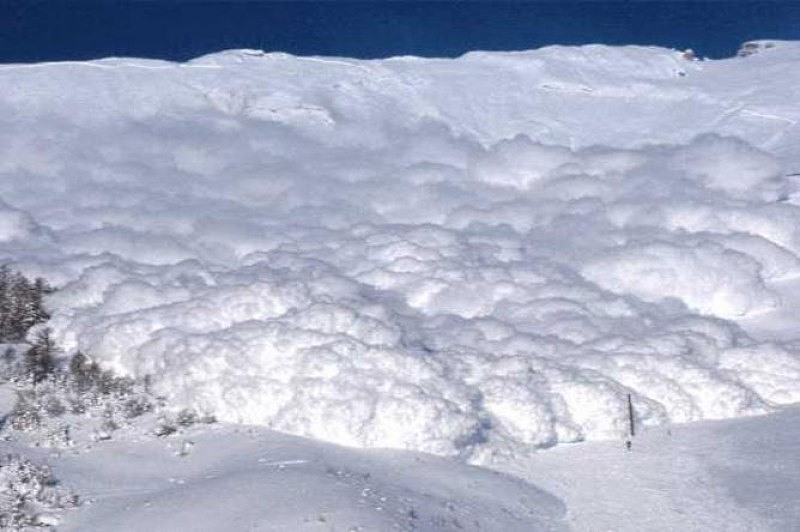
{"points": [[733, 475], [254, 479], [465, 257]]}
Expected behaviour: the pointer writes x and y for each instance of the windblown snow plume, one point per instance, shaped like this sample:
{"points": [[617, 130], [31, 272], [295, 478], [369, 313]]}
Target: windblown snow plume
{"points": [[460, 256]]}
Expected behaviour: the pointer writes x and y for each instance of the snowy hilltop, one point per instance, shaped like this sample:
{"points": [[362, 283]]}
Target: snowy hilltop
{"points": [[471, 257]]}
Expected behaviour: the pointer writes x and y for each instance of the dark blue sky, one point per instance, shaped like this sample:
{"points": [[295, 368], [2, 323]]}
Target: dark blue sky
{"points": [[175, 29]]}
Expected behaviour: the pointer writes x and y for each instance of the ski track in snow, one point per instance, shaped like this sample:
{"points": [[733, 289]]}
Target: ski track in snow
{"points": [[438, 255]]}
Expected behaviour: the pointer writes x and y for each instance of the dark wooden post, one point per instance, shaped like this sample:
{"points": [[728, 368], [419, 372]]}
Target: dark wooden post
{"points": [[630, 417], [631, 425]]}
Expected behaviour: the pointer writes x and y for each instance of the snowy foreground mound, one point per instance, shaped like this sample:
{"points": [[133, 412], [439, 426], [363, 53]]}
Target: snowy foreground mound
{"points": [[464, 256]]}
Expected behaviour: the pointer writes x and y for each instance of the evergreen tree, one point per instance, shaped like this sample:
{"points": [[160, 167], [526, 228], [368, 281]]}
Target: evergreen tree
{"points": [[40, 358], [5, 302], [21, 304], [34, 312], [18, 302], [85, 373]]}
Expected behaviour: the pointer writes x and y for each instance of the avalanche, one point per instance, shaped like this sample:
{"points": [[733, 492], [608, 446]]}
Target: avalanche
{"points": [[467, 257]]}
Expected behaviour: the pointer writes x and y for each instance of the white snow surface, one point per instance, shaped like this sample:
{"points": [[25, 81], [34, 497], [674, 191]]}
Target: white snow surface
{"points": [[732, 475], [460, 256], [241, 478]]}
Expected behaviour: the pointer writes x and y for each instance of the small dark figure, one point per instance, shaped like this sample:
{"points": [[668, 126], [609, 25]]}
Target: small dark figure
{"points": [[628, 444]]}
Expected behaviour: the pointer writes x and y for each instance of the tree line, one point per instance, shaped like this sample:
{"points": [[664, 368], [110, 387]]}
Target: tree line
{"points": [[21, 304], [52, 385]]}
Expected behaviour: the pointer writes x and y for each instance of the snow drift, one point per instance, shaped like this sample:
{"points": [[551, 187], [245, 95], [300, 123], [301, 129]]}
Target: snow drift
{"points": [[464, 256]]}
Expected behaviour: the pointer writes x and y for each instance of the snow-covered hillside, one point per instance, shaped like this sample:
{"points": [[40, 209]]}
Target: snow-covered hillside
{"points": [[735, 475], [467, 257]]}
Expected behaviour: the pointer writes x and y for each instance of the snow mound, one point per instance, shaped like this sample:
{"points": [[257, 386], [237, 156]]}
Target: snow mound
{"points": [[160, 485], [465, 257]]}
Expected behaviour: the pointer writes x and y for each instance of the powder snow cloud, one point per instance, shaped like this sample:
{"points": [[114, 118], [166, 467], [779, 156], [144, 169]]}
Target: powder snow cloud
{"points": [[466, 257]]}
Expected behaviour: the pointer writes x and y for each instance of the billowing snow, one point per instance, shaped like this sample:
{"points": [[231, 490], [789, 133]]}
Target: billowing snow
{"points": [[466, 257]]}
